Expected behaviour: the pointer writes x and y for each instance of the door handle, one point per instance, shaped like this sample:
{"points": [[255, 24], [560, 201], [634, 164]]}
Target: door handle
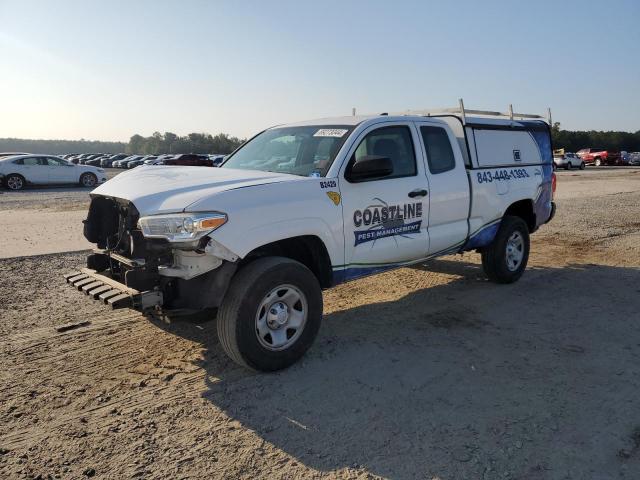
{"points": [[418, 193]]}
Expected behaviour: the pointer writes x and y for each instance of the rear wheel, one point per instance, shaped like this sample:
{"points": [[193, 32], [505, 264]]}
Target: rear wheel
{"points": [[271, 314], [582, 165], [14, 181], [505, 259], [88, 180], [567, 166], [598, 162]]}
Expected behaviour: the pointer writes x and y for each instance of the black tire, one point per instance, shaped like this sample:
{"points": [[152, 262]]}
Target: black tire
{"points": [[88, 180], [494, 256], [567, 166], [582, 166], [597, 162], [237, 323], [15, 182]]}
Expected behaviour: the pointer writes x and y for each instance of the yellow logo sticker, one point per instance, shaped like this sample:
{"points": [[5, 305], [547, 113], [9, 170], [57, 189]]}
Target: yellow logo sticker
{"points": [[334, 196]]}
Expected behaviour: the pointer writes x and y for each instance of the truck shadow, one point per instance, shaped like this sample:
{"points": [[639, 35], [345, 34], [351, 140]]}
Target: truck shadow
{"points": [[456, 380]]}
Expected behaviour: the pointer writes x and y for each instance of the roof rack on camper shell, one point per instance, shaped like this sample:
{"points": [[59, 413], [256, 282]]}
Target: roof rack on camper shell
{"points": [[460, 110]]}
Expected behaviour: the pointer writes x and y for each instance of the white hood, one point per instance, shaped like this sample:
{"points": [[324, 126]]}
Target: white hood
{"points": [[168, 189]]}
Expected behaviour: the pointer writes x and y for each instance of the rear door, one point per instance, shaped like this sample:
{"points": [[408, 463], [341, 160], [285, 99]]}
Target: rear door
{"points": [[449, 193], [385, 219], [34, 170]]}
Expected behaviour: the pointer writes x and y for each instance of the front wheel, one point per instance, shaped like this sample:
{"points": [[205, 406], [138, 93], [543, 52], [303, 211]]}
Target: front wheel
{"points": [[505, 259], [582, 165], [88, 180], [598, 162], [271, 314]]}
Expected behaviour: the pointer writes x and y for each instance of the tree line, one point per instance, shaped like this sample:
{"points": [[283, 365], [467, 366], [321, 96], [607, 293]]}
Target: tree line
{"points": [[223, 143], [572, 140], [192, 143], [157, 143]]}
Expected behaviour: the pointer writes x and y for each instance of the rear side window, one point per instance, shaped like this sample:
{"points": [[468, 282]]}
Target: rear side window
{"points": [[439, 152], [31, 161]]}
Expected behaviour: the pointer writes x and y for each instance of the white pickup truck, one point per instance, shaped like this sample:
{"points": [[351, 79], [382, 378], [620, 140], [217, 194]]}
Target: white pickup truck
{"points": [[300, 208]]}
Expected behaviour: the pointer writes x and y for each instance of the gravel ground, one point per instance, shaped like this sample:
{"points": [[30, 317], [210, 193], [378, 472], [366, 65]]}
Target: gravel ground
{"points": [[41, 220], [426, 372]]}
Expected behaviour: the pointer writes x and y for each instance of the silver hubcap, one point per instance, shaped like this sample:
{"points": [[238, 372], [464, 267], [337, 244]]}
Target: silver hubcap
{"points": [[281, 317], [515, 251], [87, 181], [14, 183]]}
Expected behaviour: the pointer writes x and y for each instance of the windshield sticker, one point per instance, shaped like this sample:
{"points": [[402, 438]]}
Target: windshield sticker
{"points": [[383, 220], [330, 132]]}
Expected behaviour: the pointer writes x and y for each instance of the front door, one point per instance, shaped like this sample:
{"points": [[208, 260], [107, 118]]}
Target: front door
{"points": [[60, 171], [385, 219]]}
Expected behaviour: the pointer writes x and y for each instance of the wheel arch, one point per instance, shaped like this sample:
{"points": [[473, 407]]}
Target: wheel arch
{"points": [[309, 250], [524, 210], [5, 177]]}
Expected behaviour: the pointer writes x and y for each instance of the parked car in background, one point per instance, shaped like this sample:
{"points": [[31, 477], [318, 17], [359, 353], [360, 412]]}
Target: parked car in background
{"points": [[139, 161], [18, 171], [597, 157], [12, 154], [624, 158], [190, 159], [568, 161], [634, 158], [159, 160], [123, 163], [97, 161], [108, 161], [217, 160]]}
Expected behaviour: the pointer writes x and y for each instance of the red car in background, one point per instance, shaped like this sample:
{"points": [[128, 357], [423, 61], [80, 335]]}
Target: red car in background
{"points": [[597, 157], [189, 159]]}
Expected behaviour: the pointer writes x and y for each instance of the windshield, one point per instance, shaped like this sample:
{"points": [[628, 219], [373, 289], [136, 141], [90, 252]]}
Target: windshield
{"points": [[305, 151]]}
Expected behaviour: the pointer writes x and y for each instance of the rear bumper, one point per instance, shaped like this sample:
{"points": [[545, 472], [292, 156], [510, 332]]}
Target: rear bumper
{"points": [[113, 293], [553, 212]]}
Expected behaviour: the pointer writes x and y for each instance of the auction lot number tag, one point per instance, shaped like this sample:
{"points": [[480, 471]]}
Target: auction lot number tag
{"points": [[330, 132]]}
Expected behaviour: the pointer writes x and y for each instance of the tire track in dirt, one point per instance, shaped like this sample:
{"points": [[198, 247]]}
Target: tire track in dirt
{"points": [[155, 366]]}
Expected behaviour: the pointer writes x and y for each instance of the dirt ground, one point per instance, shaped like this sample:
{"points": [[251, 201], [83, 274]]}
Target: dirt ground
{"points": [[37, 221], [429, 372]]}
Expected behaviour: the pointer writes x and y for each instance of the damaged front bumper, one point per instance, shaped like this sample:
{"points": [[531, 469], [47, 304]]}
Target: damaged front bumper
{"points": [[121, 282], [113, 293], [128, 270]]}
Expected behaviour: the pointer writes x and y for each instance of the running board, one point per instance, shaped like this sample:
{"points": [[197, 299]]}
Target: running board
{"points": [[112, 292]]}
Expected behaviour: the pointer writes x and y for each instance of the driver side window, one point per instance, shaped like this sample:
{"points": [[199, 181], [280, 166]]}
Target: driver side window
{"points": [[394, 143]]}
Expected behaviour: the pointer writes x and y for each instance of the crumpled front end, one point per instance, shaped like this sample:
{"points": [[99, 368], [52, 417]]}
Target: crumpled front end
{"points": [[128, 269]]}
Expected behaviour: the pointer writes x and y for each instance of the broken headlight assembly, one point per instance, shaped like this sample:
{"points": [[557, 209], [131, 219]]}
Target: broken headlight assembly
{"points": [[181, 227]]}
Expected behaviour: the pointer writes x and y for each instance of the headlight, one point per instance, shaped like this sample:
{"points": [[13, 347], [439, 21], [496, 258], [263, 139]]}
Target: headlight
{"points": [[181, 227]]}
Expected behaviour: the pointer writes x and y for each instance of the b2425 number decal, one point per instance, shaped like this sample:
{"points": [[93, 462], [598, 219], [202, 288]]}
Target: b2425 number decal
{"points": [[329, 184], [502, 175]]}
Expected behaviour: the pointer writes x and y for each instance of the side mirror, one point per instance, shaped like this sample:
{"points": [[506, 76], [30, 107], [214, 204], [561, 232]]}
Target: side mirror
{"points": [[369, 167]]}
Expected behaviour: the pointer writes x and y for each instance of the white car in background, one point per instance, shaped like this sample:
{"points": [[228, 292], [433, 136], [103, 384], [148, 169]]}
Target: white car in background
{"points": [[568, 161], [18, 171]]}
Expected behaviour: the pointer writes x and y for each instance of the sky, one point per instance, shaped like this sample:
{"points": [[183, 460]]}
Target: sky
{"points": [[106, 70]]}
